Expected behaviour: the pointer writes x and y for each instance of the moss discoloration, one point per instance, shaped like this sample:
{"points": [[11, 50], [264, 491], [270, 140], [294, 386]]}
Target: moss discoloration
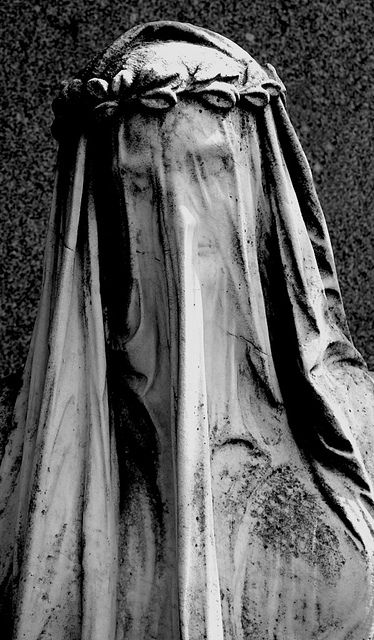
{"points": [[289, 519]]}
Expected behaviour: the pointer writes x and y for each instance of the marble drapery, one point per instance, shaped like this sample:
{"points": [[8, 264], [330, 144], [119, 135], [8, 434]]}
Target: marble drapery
{"points": [[192, 448]]}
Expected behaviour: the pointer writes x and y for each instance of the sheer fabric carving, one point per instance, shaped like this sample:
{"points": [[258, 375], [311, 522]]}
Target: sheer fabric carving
{"points": [[192, 448]]}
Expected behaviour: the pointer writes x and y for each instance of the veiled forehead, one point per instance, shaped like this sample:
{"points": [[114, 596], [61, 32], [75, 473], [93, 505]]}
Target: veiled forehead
{"points": [[150, 64]]}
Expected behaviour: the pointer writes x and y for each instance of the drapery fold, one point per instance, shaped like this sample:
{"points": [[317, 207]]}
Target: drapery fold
{"points": [[324, 347], [65, 563]]}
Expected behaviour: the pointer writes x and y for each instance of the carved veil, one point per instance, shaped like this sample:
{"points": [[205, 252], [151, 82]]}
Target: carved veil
{"points": [[195, 426]]}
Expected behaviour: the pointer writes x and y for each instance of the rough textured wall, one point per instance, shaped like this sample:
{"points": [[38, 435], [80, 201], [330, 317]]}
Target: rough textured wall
{"points": [[323, 52]]}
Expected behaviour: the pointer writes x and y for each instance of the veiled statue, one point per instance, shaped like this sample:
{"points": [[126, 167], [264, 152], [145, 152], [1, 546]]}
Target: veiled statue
{"points": [[190, 454]]}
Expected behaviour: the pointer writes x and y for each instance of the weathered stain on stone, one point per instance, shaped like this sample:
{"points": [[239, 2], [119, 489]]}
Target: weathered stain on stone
{"points": [[289, 519]]}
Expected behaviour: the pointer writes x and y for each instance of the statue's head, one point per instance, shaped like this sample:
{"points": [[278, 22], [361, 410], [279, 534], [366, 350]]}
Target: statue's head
{"points": [[156, 65], [167, 113]]}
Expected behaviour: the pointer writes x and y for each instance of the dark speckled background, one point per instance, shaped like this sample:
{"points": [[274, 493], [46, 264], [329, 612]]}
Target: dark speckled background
{"points": [[322, 50]]}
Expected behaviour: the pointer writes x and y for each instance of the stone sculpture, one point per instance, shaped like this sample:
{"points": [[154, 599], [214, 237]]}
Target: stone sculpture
{"points": [[191, 454]]}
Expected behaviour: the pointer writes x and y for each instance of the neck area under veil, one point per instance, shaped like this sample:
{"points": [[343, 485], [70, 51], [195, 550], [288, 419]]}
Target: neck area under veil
{"points": [[190, 359]]}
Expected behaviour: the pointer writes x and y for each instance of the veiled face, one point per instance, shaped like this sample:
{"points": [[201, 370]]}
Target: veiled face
{"points": [[197, 168], [191, 175], [191, 181]]}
